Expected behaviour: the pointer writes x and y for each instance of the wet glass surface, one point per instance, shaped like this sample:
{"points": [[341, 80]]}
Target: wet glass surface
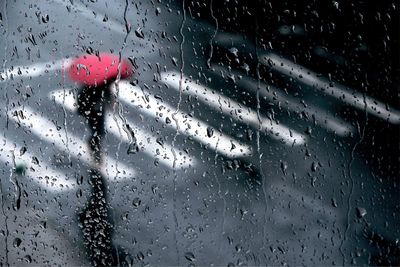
{"points": [[224, 133]]}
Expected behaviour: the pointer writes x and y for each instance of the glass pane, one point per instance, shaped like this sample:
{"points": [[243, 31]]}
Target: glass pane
{"points": [[203, 132]]}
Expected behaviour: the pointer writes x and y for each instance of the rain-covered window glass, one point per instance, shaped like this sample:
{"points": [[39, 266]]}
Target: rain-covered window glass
{"points": [[199, 132]]}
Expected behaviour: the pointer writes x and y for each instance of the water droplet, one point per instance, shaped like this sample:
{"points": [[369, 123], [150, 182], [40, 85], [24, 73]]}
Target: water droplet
{"points": [[17, 242], [249, 134], [139, 33], [234, 51], [18, 202], [157, 96], [154, 188], [132, 60], [158, 11], [160, 141], [45, 18], [245, 67], [190, 256], [35, 160], [133, 148], [43, 224], [136, 202], [361, 212], [79, 180], [233, 146], [140, 256], [284, 167], [334, 202], [335, 4], [238, 248], [22, 151], [28, 258], [89, 50], [210, 131], [79, 193], [174, 61], [314, 166]]}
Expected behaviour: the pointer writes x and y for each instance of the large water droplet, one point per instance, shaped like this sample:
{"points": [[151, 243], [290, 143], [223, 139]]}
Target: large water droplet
{"points": [[210, 131], [45, 18], [284, 167], [136, 202], [174, 61], [17, 242], [361, 212], [190, 256], [334, 202], [22, 150], [139, 33]]}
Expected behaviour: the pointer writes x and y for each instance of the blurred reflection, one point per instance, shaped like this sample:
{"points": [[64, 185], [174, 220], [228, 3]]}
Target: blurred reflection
{"points": [[95, 219], [96, 224], [96, 72], [92, 104]]}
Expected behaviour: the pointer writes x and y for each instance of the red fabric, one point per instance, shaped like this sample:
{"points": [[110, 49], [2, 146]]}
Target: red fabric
{"points": [[95, 70]]}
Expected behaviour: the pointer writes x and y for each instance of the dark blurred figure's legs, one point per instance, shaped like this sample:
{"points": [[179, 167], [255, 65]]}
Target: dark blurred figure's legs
{"points": [[95, 223], [91, 105], [95, 220]]}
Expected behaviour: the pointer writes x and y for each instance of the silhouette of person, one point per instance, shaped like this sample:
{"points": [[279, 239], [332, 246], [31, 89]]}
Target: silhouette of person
{"points": [[93, 103]]}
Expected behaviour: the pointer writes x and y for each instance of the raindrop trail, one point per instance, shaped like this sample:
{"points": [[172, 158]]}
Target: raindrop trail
{"points": [[7, 121], [213, 37], [5, 221], [15, 182], [263, 180], [181, 71], [120, 108], [362, 134], [182, 65], [120, 111], [124, 127], [177, 124], [63, 107]]}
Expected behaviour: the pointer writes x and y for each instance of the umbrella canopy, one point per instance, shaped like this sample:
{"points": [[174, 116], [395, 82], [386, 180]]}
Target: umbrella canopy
{"points": [[93, 70]]}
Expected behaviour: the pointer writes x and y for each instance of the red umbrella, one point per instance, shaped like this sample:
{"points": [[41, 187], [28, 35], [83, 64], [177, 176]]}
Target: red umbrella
{"points": [[93, 70]]}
